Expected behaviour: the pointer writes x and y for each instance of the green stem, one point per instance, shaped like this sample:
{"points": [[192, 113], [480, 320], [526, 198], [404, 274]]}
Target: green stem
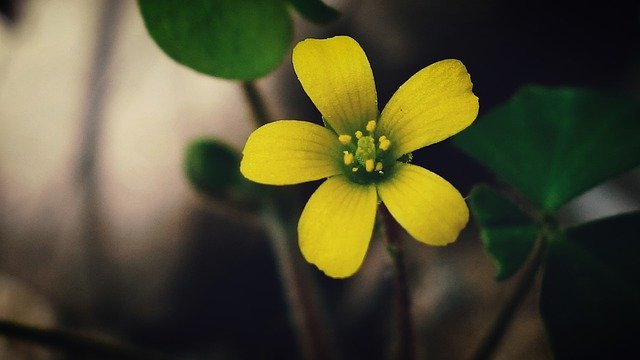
{"points": [[297, 284], [75, 344], [404, 348], [502, 322]]}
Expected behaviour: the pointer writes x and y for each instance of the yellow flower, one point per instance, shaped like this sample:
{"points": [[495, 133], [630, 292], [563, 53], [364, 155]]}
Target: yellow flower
{"points": [[359, 151]]}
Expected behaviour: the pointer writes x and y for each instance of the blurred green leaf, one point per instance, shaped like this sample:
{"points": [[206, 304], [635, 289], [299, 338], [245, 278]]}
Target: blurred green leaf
{"points": [[230, 39], [507, 233], [213, 168], [315, 10], [590, 298], [553, 144]]}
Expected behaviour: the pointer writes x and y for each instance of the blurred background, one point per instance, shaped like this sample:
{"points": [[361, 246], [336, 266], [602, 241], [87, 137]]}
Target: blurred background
{"points": [[101, 233]]}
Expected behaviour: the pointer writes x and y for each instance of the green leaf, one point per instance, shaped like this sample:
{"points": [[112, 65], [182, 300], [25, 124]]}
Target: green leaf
{"points": [[507, 233], [553, 144], [213, 168], [590, 299], [315, 10], [230, 39]]}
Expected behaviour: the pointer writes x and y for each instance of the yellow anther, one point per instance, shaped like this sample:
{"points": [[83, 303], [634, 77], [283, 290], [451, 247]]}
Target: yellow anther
{"points": [[345, 139], [371, 126], [379, 166], [347, 158], [384, 144], [354, 169], [369, 165], [358, 134]]}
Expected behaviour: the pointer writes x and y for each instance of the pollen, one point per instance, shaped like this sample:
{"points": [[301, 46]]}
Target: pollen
{"points": [[344, 139], [384, 143], [369, 165], [347, 158], [365, 153], [371, 126]]}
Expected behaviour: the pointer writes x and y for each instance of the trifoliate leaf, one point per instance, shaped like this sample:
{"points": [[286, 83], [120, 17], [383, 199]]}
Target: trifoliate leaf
{"points": [[315, 10], [590, 298], [213, 168], [230, 39], [552, 144], [507, 233]]}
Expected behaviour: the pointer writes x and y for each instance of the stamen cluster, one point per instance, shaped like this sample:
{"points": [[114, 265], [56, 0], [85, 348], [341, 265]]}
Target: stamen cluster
{"points": [[365, 159]]}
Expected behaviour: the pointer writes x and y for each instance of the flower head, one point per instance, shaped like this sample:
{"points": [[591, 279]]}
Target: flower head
{"points": [[360, 152]]}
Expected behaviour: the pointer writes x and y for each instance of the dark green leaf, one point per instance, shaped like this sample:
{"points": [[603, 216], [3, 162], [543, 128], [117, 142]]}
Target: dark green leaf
{"points": [[315, 10], [230, 39], [590, 298], [213, 168], [554, 144], [507, 233]]}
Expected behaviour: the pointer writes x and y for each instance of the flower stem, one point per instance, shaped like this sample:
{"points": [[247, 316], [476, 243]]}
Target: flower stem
{"points": [[256, 102], [502, 322], [404, 348], [102, 284], [297, 285], [298, 289], [75, 344]]}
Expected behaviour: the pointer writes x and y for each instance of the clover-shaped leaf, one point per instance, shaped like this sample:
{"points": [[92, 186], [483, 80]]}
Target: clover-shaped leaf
{"points": [[315, 10], [213, 169], [590, 298], [231, 39], [552, 144], [507, 233]]}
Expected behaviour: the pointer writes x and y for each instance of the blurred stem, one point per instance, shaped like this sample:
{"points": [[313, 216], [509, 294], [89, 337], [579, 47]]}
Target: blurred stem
{"points": [[404, 348], [298, 288], [502, 322], [101, 282], [75, 344], [256, 101], [297, 284]]}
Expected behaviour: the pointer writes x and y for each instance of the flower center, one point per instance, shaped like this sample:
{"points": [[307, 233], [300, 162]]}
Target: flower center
{"points": [[366, 159], [366, 149]]}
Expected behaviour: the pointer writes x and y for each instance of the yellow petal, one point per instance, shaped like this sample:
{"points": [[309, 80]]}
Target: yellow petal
{"points": [[336, 75], [426, 205], [290, 152], [336, 226], [432, 105]]}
